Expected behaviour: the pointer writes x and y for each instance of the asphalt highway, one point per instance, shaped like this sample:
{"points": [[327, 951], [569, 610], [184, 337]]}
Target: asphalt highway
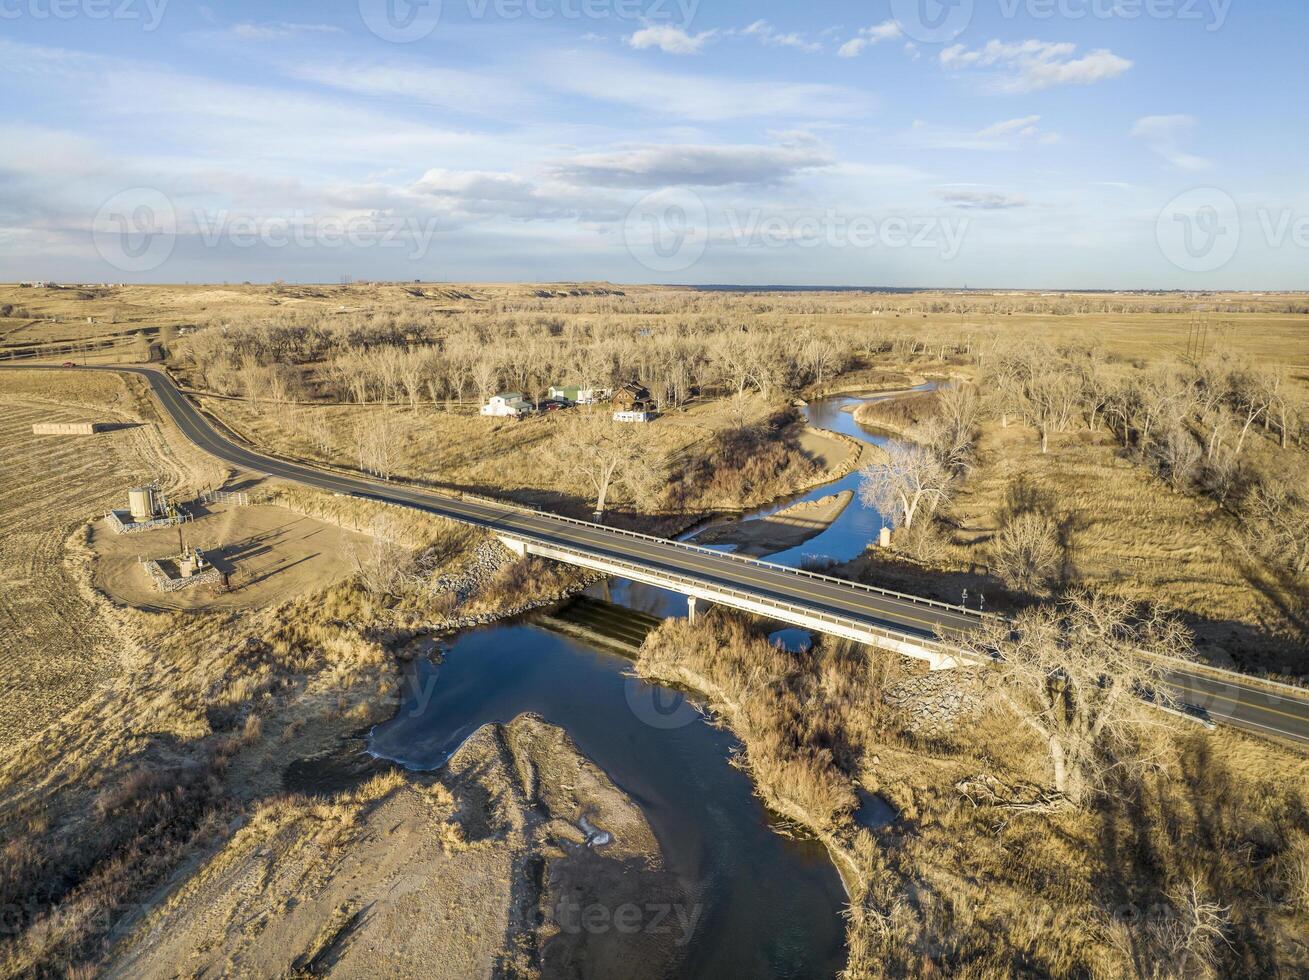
{"points": [[1220, 696]]}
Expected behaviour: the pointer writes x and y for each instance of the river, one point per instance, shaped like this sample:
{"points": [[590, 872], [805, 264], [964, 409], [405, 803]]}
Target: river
{"points": [[769, 905]]}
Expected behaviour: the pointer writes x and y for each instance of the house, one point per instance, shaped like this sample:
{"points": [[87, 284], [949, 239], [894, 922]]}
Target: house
{"points": [[633, 397], [634, 416], [508, 404], [578, 395], [565, 393]]}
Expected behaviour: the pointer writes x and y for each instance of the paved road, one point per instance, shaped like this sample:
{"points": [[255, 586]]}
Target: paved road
{"points": [[1223, 696]]}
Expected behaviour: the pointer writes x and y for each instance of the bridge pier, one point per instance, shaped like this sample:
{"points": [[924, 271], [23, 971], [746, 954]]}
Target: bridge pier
{"points": [[937, 655]]}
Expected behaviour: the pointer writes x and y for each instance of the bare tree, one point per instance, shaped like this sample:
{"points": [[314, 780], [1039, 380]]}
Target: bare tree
{"points": [[1253, 392], [1076, 673], [383, 564], [609, 453], [913, 479], [1051, 398], [1177, 455], [1026, 552], [378, 443], [958, 412], [1276, 512], [1189, 939]]}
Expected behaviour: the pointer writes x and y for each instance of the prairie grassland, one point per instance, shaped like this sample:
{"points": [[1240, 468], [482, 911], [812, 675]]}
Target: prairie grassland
{"points": [[204, 712], [531, 461], [966, 888], [54, 648], [1132, 534]]}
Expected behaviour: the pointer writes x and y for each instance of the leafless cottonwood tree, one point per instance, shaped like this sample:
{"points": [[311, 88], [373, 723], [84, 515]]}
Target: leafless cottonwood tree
{"points": [[383, 564], [1185, 943], [1276, 511], [608, 453], [1074, 673], [1025, 552], [1049, 402], [913, 480], [950, 433], [378, 444]]}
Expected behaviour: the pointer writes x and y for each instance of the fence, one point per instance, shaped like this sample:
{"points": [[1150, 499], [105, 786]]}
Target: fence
{"points": [[239, 497], [165, 583], [114, 518]]}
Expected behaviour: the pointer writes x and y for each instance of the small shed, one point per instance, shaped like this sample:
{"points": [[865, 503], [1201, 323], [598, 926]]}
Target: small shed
{"points": [[570, 393]]}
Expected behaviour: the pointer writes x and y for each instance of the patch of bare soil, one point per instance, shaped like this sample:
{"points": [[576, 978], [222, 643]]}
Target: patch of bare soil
{"points": [[787, 528], [827, 449], [492, 867], [270, 554]]}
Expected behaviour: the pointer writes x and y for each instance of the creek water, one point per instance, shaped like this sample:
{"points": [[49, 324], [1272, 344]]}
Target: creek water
{"points": [[767, 905]]}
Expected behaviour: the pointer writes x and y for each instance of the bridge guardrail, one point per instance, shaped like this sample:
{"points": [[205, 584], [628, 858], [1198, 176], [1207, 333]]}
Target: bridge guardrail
{"points": [[687, 581], [743, 559]]}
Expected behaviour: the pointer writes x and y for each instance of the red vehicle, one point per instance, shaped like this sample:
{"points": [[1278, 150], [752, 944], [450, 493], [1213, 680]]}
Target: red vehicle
{"points": [[69, 364]]}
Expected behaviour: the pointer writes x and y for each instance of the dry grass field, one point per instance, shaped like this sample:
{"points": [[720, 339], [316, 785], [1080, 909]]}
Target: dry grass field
{"points": [[531, 461], [153, 733], [54, 647], [1132, 534]]}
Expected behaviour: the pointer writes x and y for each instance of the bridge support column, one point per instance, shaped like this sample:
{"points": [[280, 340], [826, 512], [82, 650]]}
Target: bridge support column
{"points": [[692, 607]]}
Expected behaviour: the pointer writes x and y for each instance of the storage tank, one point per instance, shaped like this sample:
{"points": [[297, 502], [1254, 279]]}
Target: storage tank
{"points": [[141, 502]]}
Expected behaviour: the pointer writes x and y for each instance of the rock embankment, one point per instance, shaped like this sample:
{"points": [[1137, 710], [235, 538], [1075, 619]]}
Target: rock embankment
{"points": [[936, 702]]}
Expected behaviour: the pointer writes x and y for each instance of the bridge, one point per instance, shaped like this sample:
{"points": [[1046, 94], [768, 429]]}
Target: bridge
{"points": [[908, 625]]}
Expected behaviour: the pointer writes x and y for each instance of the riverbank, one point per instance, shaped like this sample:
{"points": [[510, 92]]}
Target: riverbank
{"points": [[496, 864], [769, 905], [787, 528]]}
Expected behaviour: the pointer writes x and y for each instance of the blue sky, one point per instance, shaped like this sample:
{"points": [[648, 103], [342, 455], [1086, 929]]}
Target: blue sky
{"points": [[1019, 143]]}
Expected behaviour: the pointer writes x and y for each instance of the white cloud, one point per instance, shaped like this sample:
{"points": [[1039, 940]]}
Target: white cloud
{"points": [[868, 36], [697, 98], [693, 165], [279, 31], [766, 34], [1029, 66], [1163, 135], [981, 199], [1009, 134], [413, 82], [670, 40], [469, 195]]}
